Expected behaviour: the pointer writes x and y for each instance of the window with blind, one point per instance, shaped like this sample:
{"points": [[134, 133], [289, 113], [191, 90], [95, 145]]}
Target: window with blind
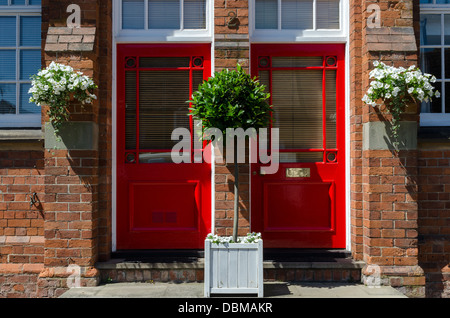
{"points": [[20, 57], [297, 14], [156, 91], [435, 59], [163, 14], [303, 92]]}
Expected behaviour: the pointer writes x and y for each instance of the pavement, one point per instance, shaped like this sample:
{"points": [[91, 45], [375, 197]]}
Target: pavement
{"points": [[195, 290]]}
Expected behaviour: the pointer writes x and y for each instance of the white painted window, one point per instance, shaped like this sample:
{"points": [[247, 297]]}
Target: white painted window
{"points": [[162, 20], [298, 20], [20, 57], [435, 58]]}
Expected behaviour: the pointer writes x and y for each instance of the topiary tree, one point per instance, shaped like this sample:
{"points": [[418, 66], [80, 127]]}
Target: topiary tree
{"points": [[231, 99]]}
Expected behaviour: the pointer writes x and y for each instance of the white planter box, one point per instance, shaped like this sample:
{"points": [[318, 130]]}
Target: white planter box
{"points": [[235, 268]]}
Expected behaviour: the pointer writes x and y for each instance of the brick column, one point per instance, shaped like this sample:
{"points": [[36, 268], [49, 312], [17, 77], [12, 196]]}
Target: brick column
{"points": [[231, 47], [389, 176], [71, 164]]}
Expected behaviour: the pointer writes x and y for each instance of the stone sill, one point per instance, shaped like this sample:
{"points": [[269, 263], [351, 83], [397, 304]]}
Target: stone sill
{"points": [[21, 135]]}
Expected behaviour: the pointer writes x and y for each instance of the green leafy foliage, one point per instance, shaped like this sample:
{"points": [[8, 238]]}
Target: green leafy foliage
{"points": [[231, 99]]}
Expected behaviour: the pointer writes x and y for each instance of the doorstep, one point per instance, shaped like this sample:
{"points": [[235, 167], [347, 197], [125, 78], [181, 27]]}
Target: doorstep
{"points": [[188, 266]]}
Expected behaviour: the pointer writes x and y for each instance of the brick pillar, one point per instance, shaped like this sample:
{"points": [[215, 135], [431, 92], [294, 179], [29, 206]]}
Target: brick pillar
{"points": [[389, 177], [71, 163], [231, 47]]}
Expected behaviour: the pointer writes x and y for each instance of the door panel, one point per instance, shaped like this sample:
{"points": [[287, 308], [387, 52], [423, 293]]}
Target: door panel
{"points": [[302, 205], [160, 204]]}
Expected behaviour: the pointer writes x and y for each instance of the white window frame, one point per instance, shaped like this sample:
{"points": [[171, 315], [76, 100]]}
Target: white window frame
{"points": [[161, 35], [309, 35], [437, 119], [19, 120]]}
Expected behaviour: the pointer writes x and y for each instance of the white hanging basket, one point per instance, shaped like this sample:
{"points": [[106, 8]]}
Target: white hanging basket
{"points": [[234, 268]]}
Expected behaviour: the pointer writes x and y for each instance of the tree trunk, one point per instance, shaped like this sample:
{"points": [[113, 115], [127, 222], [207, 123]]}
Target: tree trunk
{"points": [[236, 194]]}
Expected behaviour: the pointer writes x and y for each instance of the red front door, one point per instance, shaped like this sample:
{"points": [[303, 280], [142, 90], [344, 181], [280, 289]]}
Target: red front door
{"points": [[303, 204], [160, 204]]}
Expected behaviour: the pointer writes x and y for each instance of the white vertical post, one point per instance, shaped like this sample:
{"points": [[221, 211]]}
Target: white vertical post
{"points": [[260, 270], [207, 270]]}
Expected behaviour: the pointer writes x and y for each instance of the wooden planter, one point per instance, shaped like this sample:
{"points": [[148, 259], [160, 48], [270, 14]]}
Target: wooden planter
{"points": [[235, 268]]}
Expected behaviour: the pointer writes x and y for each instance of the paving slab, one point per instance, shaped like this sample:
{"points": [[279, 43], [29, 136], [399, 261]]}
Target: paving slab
{"points": [[195, 290]]}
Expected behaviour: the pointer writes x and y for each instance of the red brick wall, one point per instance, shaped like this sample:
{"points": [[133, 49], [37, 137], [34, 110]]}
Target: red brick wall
{"points": [[383, 182], [21, 224], [105, 92], [231, 48], [356, 94], [72, 176], [434, 216]]}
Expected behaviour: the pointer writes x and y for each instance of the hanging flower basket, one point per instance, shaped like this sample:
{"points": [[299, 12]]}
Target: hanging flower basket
{"points": [[396, 88], [57, 85]]}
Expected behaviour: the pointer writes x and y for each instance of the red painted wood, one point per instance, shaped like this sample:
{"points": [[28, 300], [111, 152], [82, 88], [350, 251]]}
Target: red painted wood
{"points": [[303, 212], [160, 205]]}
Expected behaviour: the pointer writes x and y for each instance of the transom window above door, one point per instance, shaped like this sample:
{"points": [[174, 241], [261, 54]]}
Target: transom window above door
{"points": [[299, 20], [163, 14], [162, 20], [297, 14]]}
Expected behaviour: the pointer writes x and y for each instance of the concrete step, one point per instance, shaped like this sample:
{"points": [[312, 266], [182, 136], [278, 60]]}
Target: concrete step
{"points": [[188, 266]]}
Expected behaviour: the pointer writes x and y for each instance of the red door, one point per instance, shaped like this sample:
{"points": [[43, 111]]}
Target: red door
{"points": [[302, 205], [160, 204]]}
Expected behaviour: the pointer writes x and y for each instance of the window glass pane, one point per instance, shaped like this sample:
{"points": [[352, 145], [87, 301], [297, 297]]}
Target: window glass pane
{"points": [[297, 61], [164, 14], [426, 1], [3, 2], [447, 97], [25, 106], [327, 14], [7, 98], [442, 1], [447, 29], [7, 31], [430, 29], [297, 14], [286, 157], [431, 61], [155, 157], [130, 110], [34, 2], [330, 89], [297, 99], [8, 65], [436, 105], [30, 31], [194, 14], [447, 63], [133, 14], [18, 2], [160, 62], [266, 14], [162, 107], [30, 63], [197, 79]]}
